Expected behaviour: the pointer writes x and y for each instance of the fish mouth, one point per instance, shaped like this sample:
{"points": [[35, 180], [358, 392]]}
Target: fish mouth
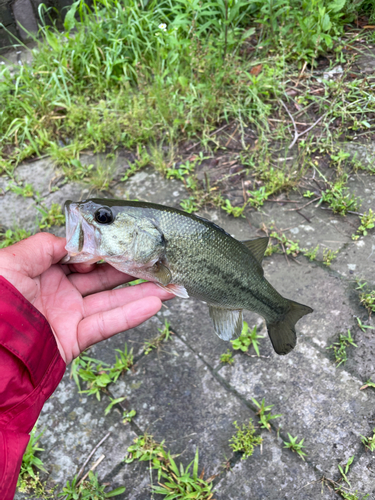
{"points": [[82, 239]]}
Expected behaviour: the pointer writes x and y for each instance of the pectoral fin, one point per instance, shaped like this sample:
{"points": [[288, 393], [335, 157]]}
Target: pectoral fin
{"points": [[178, 290], [161, 273], [227, 322]]}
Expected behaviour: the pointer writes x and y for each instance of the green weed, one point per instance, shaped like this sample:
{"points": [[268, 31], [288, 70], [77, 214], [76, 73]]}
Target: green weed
{"points": [[345, 471], [304, 30], [189, 205], [27, 191], [97, 374], [338, 198], [339, 348], [367, 384], [245, 439], [128, 416], [112, 404], [295, 446], [122, 364], [258, 197], [235, 211], [183, 170], [76, 171], [136, 282], [89, 489], [288, 246], [144, 449], [148, 84], [369, 442], [347, 495], [366, 297], [329, 256], [265, 417], [247, 339], [367, 223], [227, 358], [156, 342], [28, 479], [51, 217], [142, 161], [179, 482], [311, 254], [364, 327], [368, 300], [11, 236]]}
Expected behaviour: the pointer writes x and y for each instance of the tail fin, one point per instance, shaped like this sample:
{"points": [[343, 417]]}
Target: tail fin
{"points": [[282, 333]]}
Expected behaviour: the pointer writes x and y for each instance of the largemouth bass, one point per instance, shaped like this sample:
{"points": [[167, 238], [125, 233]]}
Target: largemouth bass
{"points": [[187, 255]]}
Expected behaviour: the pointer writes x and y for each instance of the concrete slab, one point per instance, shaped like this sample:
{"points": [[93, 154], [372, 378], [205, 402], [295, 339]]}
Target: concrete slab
{"points": [[318, 402], [73, 425], [288, 476], [178, 400], [149, 185]]}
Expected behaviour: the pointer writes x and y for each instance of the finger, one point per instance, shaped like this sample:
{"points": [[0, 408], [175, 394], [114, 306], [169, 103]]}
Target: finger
{"points": [[103, 277], [106, 301], [34, 255], [102, 325], [82, 268]]}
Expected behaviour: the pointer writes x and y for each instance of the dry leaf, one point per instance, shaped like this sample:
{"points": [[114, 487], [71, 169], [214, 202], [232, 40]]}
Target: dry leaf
{"points": [[255, 70]]}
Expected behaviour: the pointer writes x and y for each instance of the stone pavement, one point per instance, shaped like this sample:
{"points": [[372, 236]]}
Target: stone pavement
{"points": [[184, 396]]}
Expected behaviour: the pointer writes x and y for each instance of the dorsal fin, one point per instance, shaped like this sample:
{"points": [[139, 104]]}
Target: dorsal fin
{"points": [[257, 247]]}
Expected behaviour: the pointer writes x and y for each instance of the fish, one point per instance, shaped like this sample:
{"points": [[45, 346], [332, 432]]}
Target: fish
{"points": [[188, 256]]}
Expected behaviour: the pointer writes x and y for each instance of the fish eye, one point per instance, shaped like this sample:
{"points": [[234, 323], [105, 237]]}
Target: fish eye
{"points": [[104, 215]]}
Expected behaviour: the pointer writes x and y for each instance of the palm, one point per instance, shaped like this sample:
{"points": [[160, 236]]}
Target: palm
{"points": [[81, 307], [63, 307]]}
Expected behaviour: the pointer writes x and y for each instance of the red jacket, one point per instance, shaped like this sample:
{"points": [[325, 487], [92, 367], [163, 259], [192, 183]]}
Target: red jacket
{"points": [[30, 370]]}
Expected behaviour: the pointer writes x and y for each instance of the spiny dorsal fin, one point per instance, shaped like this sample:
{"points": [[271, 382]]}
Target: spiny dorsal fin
{"points": [[257, 247]]}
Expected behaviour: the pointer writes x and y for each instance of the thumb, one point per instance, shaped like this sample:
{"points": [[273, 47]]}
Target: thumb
{"points": [[33, 255]]}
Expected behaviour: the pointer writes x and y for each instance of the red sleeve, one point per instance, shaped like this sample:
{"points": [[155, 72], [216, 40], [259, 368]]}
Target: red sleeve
{"points": [[30, 370]]}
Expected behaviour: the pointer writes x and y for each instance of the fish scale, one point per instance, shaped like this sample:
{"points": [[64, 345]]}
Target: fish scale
{"points": [[187, 255]]}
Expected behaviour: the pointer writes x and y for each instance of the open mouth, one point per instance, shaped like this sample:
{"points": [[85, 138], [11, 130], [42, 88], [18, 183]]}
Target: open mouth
{"points": [[80, 237]]}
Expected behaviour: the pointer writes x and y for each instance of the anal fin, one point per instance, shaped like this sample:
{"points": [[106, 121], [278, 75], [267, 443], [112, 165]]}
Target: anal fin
{"points": [[227, 322]]}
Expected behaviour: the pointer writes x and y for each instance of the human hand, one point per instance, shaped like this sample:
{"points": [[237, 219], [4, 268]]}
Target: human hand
{"points": [[77, 300]]}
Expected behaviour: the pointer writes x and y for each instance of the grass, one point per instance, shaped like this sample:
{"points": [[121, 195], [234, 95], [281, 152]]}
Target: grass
{"points": [[51, 217], [28, 480], [245, 439], [264, 414], [173, 481], [367, 384], [339, 348], [369, 442], [127, 82], [97, 374], [11, 236], [295, 446], [247, 339], [155, 343], [367, 223], [368, 301], [89, 489], [227, 357]]}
